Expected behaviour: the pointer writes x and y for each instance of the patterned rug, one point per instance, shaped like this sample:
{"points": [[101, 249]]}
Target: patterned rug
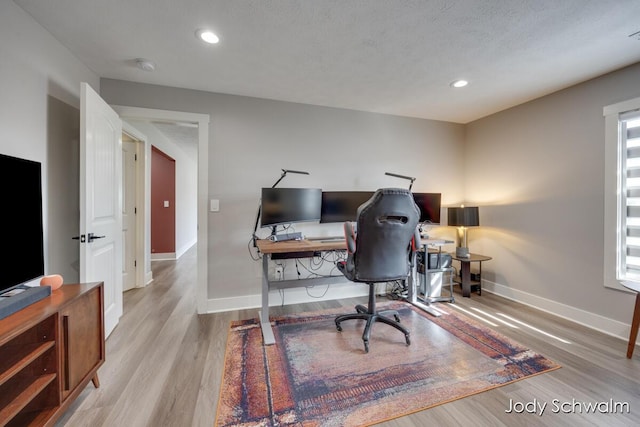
{"points": [[316, 376]]}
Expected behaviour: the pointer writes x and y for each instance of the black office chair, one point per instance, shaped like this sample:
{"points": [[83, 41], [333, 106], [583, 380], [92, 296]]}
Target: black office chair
{"points": [[382, 250]]}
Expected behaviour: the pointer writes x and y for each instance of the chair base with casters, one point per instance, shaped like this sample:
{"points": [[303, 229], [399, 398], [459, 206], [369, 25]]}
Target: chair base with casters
{"points": [[371, 315]]}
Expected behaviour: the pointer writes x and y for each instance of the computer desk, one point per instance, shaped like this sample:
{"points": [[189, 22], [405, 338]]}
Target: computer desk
{"points": [[292, 247]]}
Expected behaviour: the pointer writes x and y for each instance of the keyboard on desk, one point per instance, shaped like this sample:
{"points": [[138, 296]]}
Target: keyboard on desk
{"points": [[285, 237]]}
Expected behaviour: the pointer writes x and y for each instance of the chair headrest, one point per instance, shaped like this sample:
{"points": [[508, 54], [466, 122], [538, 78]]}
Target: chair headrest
{"points": [[386, 227]]}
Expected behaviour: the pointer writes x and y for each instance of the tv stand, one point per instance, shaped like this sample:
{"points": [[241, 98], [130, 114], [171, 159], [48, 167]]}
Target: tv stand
{"points": [[49, 351]]}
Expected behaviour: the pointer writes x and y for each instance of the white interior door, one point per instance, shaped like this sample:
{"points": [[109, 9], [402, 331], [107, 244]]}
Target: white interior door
{"points": [[101, 201]]}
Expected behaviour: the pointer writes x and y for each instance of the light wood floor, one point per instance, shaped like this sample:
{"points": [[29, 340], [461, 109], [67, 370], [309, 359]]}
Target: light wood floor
{"points": [[164, 363]]}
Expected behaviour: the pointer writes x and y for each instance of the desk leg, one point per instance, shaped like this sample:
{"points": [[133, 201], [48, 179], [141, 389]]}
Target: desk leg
{"points": [[412, 295], [265, 324], [465, 271], [635, 324]]}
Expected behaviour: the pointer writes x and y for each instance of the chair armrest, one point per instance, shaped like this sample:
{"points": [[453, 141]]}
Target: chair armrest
{"points": [[350, 237]]}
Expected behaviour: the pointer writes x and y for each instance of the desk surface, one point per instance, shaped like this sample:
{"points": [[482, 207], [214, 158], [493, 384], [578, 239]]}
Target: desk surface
{"points": [[267, 246]]}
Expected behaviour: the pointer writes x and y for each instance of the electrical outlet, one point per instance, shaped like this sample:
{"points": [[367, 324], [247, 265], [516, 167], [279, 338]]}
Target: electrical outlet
{"points": [[278, 272]]}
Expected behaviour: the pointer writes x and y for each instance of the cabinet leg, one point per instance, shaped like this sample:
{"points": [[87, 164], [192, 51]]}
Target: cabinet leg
{"points": [[96, 381]]}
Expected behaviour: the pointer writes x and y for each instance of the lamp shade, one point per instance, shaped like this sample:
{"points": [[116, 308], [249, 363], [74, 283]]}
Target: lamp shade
{"points": [[463, 217]]}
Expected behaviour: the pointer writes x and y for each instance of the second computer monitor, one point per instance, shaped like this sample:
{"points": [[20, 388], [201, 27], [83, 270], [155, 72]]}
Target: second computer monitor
{"points": [[341, 206]]}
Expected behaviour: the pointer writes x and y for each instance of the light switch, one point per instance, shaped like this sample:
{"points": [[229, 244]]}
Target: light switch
{"points": [[215, 205], [166, 203]]}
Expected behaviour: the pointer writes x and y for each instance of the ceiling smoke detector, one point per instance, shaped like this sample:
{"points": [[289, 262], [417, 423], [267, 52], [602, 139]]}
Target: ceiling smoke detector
{"points": [[145, 64]]}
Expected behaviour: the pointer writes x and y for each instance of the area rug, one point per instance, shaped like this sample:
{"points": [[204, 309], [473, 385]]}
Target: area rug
{"points": [[316, 376]]}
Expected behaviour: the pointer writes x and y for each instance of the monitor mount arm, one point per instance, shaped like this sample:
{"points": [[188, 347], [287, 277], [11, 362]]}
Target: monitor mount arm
{"points": [[273, 231], [403, 177], [410, 178]]}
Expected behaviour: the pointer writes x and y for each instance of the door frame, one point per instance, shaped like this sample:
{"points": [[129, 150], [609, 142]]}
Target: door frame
{"points": [[150, 114]]}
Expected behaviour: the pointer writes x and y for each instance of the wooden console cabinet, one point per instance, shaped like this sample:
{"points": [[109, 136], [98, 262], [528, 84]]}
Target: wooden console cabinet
{"points": [[49, 351]]}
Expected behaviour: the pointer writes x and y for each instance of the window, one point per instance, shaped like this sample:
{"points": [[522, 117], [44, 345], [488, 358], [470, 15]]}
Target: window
{"points": [[628, 254], [622, 193]]}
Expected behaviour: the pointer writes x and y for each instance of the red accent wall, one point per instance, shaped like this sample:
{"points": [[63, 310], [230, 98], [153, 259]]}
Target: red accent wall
{"points": [[163, 188]]}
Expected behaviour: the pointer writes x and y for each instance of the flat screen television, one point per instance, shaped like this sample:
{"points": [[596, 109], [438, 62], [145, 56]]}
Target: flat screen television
{"points": [[22, 237], [429, 205], [288, 205], [342, 206]]}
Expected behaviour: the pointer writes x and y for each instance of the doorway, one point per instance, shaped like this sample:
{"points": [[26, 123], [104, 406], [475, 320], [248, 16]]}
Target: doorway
{"points": [[163, 205], [202, 161], [134, 275]]}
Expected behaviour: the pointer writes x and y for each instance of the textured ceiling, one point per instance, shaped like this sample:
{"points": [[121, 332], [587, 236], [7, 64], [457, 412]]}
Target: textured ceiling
{"points": [[388, 56]]}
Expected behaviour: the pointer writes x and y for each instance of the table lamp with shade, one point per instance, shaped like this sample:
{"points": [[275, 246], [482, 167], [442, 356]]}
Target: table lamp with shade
{"points": [[463, 217]]}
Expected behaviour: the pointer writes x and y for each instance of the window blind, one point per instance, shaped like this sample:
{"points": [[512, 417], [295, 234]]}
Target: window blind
{"points": [[629, 197]]}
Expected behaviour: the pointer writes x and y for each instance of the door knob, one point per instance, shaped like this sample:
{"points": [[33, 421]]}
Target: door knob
{"points": [[91, 237]]}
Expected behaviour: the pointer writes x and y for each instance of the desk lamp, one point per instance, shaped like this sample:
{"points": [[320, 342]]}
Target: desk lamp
{"points": [[462, 218], [403, 177], [284, 173]]}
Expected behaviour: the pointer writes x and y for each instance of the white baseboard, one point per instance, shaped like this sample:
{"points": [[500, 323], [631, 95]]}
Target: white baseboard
{"points": [[163, 256], [291, 296], [591, 320], [185, 248], [148, 277], [172, 256]]}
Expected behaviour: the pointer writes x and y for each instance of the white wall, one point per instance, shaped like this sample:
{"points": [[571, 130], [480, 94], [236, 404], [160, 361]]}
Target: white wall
{"points": [[39, 85], [186, 185], [537, 171], [251, 140]]}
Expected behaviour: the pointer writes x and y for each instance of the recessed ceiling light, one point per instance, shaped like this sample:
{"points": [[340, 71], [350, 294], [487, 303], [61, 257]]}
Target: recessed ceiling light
{"points": [[459, 83], [207, 36]]}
